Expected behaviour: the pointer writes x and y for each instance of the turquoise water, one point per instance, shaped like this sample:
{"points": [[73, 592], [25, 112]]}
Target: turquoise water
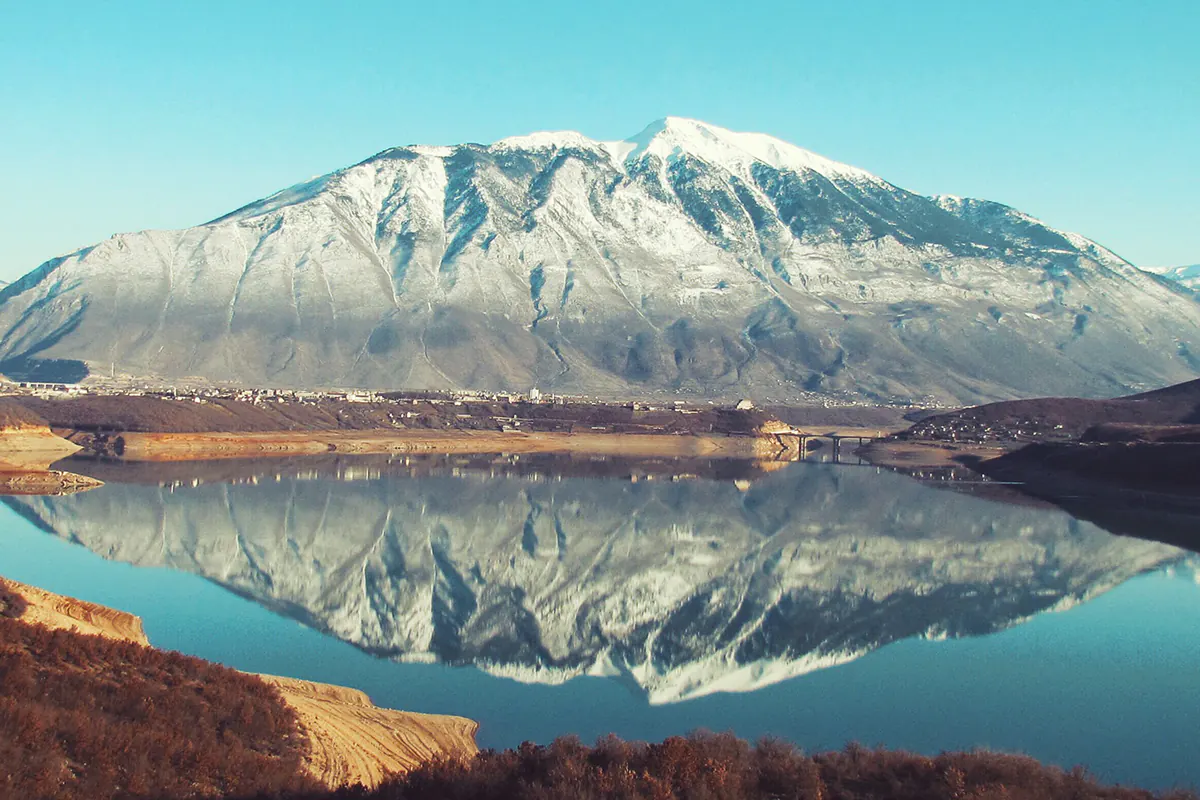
{"points": [[1112, 683]]}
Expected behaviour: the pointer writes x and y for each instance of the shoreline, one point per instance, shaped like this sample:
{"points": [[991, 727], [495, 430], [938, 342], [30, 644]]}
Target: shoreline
{"points": [[44, 482], [26, 454], [136, 446]]}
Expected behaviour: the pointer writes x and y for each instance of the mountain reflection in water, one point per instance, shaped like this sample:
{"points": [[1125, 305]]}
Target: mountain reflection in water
{"points": [[544, 571]]}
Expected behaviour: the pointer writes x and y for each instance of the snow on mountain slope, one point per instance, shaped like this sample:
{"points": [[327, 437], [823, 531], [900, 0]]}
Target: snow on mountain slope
{"points": [[679, 588], [1189, 275], [688, 259]]}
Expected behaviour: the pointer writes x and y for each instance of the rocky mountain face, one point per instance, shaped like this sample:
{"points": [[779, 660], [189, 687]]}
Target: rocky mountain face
{"points": [[686, 260], [677, 588]]}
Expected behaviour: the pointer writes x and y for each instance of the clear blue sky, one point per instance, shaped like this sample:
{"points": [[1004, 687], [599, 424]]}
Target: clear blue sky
{"points": [[129, 115]]}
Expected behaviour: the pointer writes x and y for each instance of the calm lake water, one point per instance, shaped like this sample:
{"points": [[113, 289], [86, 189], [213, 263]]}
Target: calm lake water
{"points": [[819, 602]]}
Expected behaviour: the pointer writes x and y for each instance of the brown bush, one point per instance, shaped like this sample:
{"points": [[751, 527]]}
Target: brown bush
{"points": [[88, 717], [12, 605], [705, 766]]}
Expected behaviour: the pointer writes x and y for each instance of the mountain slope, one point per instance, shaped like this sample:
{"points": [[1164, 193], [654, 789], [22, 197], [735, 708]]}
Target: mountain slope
{"points": [[678, 588], [1189, 275], [686, 259]]}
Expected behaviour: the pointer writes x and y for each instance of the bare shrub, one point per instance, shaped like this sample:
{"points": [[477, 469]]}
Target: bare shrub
{"points": [[89, 717], [706, 766], [12, 605]]}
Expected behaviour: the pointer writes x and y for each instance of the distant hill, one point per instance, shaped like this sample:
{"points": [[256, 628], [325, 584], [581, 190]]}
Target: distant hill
{"points": [[1061, 418]]}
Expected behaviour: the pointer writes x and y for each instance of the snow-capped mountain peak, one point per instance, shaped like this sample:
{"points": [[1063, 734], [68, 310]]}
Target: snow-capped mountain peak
{"points": [[686, 260], [545, 140], [670, 137]]}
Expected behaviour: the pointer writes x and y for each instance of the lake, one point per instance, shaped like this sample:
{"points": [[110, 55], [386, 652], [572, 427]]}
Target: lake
{"points": [[821, 603]]}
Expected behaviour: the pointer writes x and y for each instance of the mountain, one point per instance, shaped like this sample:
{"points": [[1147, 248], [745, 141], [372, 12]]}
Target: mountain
{"points": [[1189, 276], [687, 259], [679, 589]]}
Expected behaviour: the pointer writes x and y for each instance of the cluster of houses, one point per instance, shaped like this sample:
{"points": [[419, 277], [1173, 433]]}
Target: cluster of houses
{"points": [[261, 395], [264, 395]]}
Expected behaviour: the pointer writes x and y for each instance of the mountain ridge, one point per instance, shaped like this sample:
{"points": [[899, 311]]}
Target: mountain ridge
{"points": [[686, 260]]}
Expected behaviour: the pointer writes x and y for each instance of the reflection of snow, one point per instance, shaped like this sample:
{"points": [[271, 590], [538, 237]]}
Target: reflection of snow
{"points": [[1188, 569], [681, 589]]}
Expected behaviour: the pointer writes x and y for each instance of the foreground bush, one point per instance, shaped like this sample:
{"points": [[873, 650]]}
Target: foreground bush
{"points": [[721, 767], [88, 717], [12, 605]]}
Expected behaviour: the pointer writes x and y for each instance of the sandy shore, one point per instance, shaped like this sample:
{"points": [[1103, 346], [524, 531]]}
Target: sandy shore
{"points": [[189, 446], [927, 454], [25, 457], [352, 740], [33, 447]]}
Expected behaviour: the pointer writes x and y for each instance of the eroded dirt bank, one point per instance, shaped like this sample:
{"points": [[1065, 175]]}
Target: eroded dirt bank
{"points": [[352, 740], [67, 613], [27, 448]]}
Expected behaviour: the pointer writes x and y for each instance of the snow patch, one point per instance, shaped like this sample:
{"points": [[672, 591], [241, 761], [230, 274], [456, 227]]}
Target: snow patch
{"points": [[668, 138]]}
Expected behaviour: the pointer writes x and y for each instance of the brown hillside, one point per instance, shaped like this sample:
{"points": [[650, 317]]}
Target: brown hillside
{"points": [[85, 716], [15, 416], [345, 739], [146, 414], [1060, 418]]}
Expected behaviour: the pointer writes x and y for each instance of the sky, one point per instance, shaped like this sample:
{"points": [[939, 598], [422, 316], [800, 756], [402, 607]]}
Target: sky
{"points": [[125, 116]]}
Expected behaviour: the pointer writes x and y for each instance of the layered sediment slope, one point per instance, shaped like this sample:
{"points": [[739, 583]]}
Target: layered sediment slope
{"points": [[26, 441], [680, 588], [27, 448], [354, 741], [687, 259], [68, 613]]}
